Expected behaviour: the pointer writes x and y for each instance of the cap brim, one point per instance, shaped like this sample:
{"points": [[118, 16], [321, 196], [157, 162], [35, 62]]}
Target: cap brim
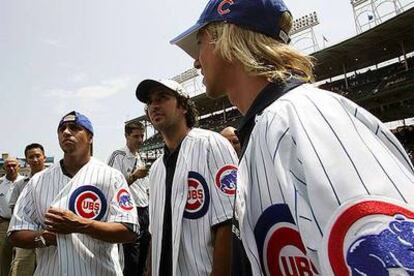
{"points": [[145, 87], [188, 40]]}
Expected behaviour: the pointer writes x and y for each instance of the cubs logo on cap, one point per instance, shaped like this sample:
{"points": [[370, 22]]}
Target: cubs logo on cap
{"points": [[370, 236], [262, 16], [280, 246], [198, 197], [88, 202], [226, 179], [124, 200]]}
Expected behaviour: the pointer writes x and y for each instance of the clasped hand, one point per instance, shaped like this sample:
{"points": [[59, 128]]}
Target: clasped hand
{"points": [[64, 221]]}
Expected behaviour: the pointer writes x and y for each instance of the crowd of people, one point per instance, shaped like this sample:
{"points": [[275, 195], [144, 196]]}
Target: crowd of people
{"points": [[309, 184], [372, 82]]}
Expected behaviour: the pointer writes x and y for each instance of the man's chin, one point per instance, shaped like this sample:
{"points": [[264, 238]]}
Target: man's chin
{"points": [[68, 150], [214, 94]]}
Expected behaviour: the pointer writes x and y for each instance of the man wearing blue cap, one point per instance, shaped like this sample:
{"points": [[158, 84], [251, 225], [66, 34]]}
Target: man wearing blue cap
{"points": [[76, 211], [324, 188]]}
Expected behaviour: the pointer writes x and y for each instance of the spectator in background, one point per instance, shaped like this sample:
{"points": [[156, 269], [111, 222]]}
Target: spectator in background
{"points": [[130, 164], [11, 166], [230, 134], [24, 260]]}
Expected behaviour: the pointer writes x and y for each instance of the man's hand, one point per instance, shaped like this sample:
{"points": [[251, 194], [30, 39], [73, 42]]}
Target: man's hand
{"points": [[64, 221], [50, 238], [139, 173]]}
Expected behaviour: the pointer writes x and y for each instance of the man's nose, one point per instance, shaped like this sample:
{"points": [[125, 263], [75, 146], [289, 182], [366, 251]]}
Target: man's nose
{"points": [[197, 64]]}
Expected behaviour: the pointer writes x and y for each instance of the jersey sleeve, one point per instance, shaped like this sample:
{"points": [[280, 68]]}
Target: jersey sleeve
{"points": [[341, 172], [24, 215], [115, 161], [122, 207], [222, 170]]}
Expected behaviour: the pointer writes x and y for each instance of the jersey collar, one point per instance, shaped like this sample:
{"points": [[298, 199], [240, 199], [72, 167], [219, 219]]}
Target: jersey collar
{"points": [[267, 96]]}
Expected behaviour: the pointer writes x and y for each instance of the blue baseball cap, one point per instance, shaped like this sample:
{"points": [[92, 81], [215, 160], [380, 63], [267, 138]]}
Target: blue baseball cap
{"points": [[78, 119], [260, 16]]}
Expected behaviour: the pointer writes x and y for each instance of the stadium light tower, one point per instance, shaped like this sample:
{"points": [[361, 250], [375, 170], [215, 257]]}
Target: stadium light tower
{"points": [[191, 81], [303, 30], [370, 13]]}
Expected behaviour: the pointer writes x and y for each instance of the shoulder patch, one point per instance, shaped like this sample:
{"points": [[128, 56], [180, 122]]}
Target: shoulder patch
{"points": [[198, 197], [370, 236], [226, 179], [89, 202], [123, 197]]}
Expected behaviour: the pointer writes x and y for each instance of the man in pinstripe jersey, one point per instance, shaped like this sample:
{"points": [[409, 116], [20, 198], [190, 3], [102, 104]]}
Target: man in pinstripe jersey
{"points": [[324, 188], [74, 212], [192, 187], [128, 161]]}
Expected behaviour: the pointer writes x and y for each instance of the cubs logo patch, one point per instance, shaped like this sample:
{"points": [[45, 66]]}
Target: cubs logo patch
{"points": [[88, 202], [124, 200], [226, 179], [370, 236], [280, 246], [198, 197]]}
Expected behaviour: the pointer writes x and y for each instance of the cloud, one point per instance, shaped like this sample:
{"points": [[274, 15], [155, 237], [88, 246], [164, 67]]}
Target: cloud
{"points": [[106, 89], [78, 77], [52, 42]]}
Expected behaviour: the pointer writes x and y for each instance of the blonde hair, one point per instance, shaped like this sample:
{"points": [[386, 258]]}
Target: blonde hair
{"points": [[261, 55]]}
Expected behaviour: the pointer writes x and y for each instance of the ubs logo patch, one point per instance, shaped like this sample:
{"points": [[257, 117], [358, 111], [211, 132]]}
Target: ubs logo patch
{"points": [[280, 246], [88, 202], [198, 196]]}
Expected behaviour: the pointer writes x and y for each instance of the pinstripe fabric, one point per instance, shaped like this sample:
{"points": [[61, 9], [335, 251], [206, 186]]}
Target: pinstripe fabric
{"points": [[204, 152], [314, 150], [75, 254], [126, 162]]}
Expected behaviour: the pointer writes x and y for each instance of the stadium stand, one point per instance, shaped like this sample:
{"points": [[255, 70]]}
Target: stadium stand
{"points": [[375, 69]]}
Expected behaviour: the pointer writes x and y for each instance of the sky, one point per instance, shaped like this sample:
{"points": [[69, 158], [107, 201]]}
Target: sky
{"points": [[57, 56]]}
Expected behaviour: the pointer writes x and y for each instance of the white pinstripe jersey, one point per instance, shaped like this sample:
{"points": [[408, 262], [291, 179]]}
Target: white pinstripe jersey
{"points": [[126, 162], [96, 192], [202, 196], [320, 178]]}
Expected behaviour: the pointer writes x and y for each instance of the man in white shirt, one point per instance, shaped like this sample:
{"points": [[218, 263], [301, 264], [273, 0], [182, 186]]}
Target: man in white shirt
{"points": [[130, 164], [24, 260], [11, 165]]}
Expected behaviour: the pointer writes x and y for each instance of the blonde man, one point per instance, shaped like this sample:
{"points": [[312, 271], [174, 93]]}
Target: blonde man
{"points": [[323, 186]]}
